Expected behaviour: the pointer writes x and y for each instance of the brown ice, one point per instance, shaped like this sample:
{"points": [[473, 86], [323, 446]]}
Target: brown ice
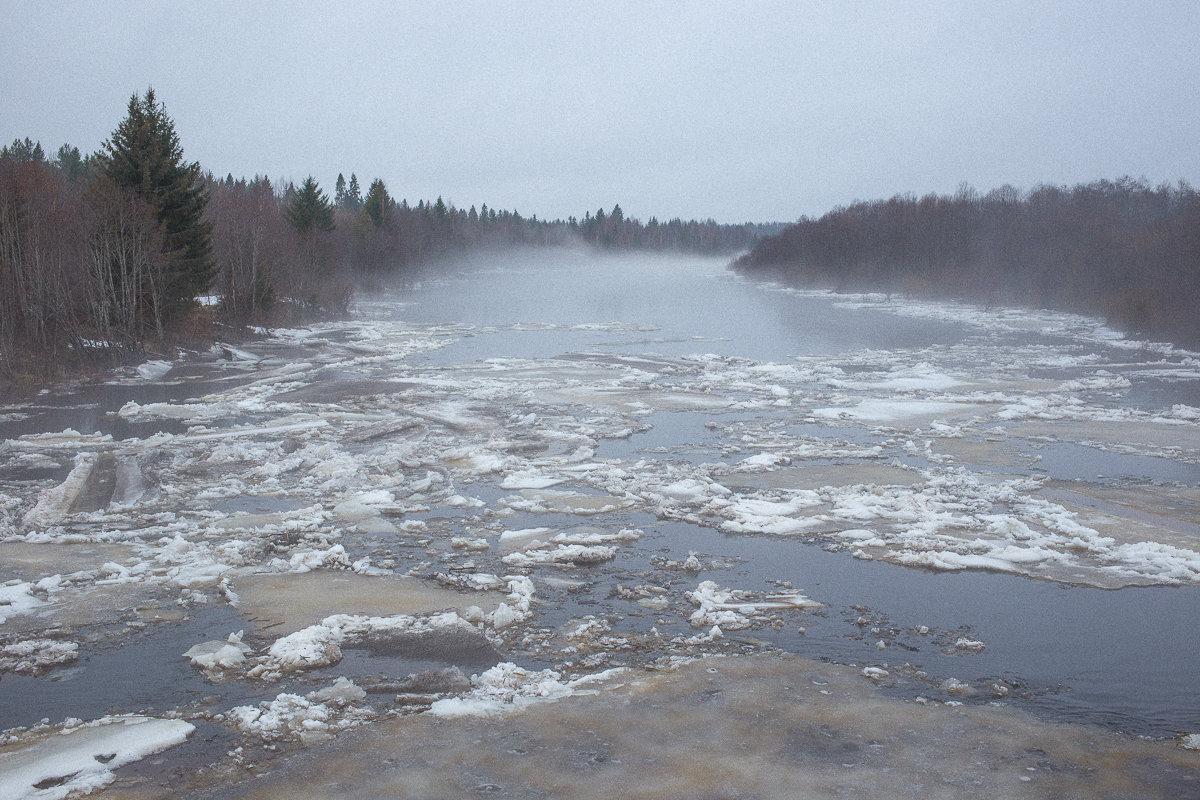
{"points": [[754, 727]]}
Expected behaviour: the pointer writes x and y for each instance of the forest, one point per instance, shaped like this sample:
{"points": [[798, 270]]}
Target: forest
{"points": [[133, 249], [1123, 250], [130, 249]]}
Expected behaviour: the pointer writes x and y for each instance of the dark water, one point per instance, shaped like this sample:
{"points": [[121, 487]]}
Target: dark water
{"points": [[1124, 658], [146, 674]]}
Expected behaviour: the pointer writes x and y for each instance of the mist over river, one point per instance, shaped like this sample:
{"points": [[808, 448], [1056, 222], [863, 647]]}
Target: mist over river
{"points": [[557, 524]]}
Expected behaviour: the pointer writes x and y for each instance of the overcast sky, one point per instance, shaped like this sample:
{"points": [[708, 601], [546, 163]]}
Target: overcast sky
{"points": [[736, 111]]}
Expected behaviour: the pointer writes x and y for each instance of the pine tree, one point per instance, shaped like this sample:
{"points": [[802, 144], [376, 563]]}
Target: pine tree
{"points": [[353, 194], [144, 156], [308, 208]]}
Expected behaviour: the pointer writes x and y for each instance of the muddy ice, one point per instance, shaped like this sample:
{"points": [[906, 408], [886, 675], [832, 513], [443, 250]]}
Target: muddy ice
{"points": [[749, 727], [479, 502]]}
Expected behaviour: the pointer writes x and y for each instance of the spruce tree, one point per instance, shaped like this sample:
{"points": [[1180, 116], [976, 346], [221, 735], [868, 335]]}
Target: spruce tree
{"points": [[379, 205], [72, 163], [24, 152], [339, 191], [308, 208], [144, 156]]}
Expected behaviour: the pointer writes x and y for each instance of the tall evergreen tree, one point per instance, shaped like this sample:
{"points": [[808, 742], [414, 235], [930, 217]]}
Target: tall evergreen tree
{"points": [[379, 205], [144, 156], [308, 208], [72, 163], [339, 191], [354, 194]]}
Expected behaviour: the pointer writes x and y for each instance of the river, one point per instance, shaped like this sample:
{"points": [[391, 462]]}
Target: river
{"points": [[555, 489]]}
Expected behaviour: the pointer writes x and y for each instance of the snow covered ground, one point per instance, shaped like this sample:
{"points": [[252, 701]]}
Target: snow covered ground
{"points": [[513, 497]]}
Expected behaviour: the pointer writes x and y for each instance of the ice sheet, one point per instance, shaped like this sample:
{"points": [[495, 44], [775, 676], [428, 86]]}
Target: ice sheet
{"points": [[81, 758]]}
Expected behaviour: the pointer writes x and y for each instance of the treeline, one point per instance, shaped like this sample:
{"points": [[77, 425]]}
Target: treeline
{"points": [[106, 254], [1121, 249], [99, 253], [292, 250], [266, 237], [615, 231]]}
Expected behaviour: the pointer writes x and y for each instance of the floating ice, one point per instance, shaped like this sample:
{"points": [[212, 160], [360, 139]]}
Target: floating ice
{"points": [[893, 410], [55, 503], [505, 688], [734, 609], [576, 554], [228, 654], [320, 645], [79, 760], [529, 479], [17, 597], [972, 645], [310, 718], [153, 370], [35, 656]]}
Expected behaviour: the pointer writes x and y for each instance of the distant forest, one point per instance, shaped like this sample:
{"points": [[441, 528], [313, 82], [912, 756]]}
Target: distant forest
{"points": [[105, 255], [1122, 250]]}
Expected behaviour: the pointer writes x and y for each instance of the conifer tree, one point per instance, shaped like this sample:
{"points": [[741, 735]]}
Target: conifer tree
{"points": [[72, 163], [339, 191], [144, 156], [308, 208], [24, 152], [378, 206]]}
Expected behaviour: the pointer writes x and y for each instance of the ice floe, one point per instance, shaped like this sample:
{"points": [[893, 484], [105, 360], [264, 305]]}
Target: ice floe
{"points": [[507, 687], [309, 718], [36, 656], [81, 758], [734, 609], [320, 645], [215, 656]]}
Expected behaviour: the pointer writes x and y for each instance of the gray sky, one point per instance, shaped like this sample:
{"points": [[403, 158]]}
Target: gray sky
{"points": [[736, 111]]}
